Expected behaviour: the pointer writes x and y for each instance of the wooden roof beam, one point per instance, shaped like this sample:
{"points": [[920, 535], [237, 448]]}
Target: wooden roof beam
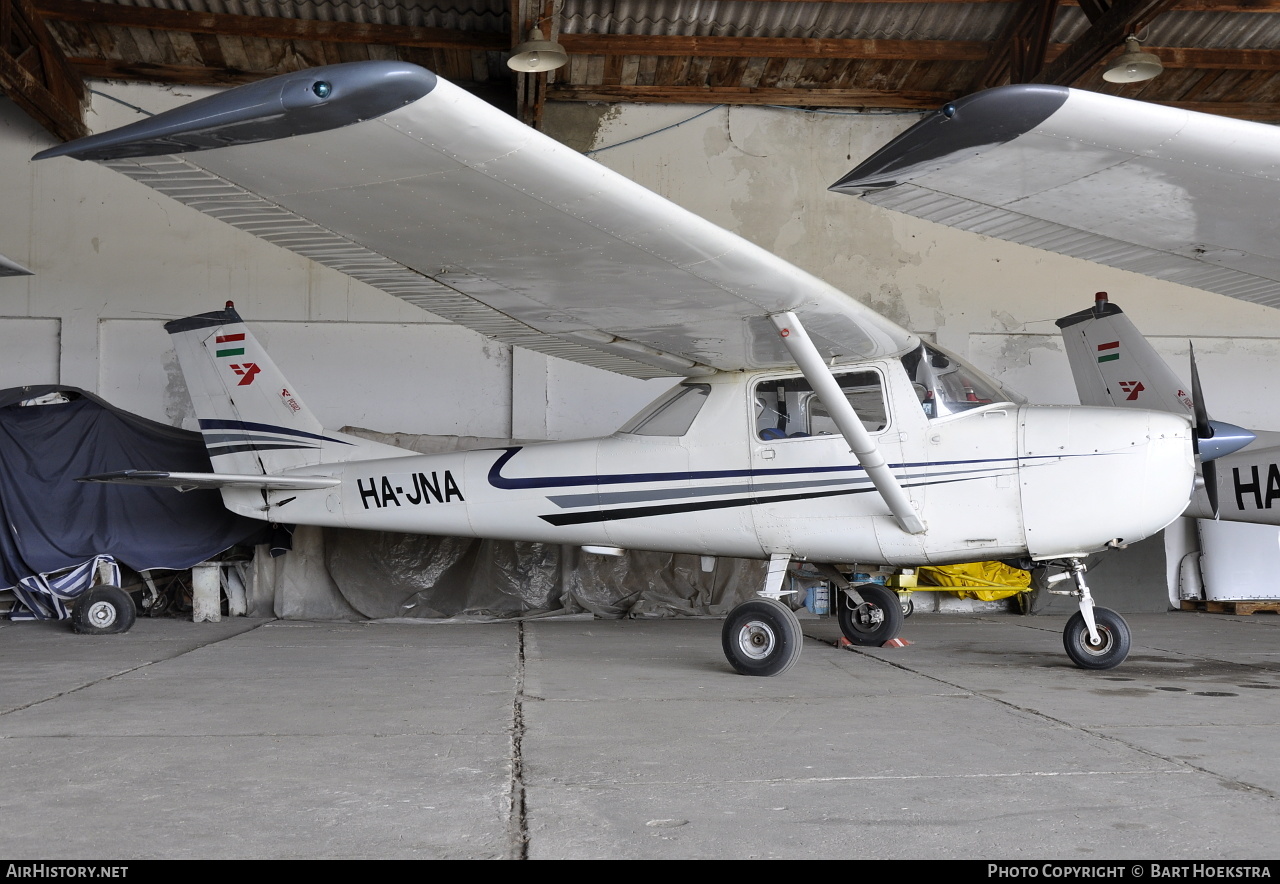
{"points": [[36, 75], [773, 47], [267, 27], [212, 75], [1019, 52]]}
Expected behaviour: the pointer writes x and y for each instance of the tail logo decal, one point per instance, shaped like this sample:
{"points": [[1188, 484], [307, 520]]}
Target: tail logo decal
{"points": [[1104, 356], [288, 400], [1133, 388], [247, 371]]}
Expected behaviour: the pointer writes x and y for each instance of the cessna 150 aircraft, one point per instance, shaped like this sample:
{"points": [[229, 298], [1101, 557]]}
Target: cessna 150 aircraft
{"points": [[1113, 364], [807, 427]]}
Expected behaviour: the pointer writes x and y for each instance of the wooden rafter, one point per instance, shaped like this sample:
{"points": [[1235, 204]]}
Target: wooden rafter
{"points": [[267, 27], [35, 74], [773, 47], [1171, 57], [1021, 50]]}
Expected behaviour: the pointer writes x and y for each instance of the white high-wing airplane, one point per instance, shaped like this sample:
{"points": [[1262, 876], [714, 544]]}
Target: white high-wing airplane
{"points": [[1113, 364], [808, 427]]}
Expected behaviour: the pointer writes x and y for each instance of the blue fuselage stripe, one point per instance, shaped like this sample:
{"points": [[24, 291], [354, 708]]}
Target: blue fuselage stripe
{"points": [[497, 480], [219, 424]]}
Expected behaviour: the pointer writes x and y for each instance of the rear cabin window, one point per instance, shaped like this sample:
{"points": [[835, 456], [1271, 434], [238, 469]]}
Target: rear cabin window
{"points": [[670, 415], [787, 408]]}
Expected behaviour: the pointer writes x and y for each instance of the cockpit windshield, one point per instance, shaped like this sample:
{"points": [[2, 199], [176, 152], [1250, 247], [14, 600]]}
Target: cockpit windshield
{"points": [[946, 384]]}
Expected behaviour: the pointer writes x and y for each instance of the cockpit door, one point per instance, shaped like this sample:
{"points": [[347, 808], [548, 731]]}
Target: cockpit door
{"points": [[812, 497]]}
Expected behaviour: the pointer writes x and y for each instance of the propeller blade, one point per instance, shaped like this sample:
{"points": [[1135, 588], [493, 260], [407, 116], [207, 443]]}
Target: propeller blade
{"points": [[1204, 429], [1232, 438]]}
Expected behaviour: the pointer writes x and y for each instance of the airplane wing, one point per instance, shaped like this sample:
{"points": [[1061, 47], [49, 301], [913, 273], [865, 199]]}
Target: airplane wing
{"points": [[1172, 194], [402, 180]]}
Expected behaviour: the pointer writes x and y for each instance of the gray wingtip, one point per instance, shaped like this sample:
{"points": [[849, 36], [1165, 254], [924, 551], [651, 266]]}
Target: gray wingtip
{"points": [[956, 130], [297, 103]]}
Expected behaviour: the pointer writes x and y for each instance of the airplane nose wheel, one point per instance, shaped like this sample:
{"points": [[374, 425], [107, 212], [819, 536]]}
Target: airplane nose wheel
{"points": [[1095, 638], [1108, 651], [761, 637]]}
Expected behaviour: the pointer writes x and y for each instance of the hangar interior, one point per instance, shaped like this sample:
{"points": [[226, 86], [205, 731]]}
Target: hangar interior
{"points": [[749, 137]]}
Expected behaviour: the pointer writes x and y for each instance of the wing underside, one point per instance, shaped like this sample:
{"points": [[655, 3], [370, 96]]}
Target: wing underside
{"points": [[1171, 194], [448, 203]]}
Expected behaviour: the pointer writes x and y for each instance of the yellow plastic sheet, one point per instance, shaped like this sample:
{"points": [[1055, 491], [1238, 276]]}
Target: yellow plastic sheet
{"points": [[986, 581]]}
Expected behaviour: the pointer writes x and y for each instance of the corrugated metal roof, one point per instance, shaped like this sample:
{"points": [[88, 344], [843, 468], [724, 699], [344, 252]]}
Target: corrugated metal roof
{"points": [[888, 75], [729, 18]]}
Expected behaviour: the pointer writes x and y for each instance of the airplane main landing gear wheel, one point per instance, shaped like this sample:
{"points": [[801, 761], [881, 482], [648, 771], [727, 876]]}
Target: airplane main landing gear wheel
{"points": [[761, 637], [103, 610], [1113, 640], [874, 623]]}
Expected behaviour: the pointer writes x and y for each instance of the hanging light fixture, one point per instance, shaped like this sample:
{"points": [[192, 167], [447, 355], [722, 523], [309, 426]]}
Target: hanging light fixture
{"points": [[1133, 65], [537, 54]]}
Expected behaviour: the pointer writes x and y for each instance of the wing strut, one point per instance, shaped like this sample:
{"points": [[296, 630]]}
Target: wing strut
{"points": [[816, 372]]}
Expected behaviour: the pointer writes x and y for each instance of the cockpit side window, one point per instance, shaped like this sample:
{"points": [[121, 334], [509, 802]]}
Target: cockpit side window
{"points": [[672, 414], [787, 408]]}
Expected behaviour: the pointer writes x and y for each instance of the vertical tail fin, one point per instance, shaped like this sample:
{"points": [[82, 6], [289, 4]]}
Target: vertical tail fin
{"points": [[1113, 364], [252, 419]]}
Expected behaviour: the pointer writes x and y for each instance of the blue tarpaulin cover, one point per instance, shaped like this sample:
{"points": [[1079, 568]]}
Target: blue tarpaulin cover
{"points": [[52, 522]]}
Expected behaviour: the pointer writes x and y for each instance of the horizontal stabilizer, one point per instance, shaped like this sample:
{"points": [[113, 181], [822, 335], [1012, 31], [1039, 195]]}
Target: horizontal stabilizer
{"points": [[192, 481]]}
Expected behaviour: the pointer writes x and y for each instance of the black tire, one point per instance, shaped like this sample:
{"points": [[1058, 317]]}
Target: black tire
{"points": [[103, 610], [1114, 635], [761, 637], [874, 623], [159, 604], [908, 606]]}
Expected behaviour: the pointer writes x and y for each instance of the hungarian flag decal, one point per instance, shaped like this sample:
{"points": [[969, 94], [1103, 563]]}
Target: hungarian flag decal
{"points": [[227, 345]]}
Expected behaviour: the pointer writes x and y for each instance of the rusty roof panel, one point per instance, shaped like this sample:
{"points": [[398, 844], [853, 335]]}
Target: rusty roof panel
{"points": [[727, 18]]}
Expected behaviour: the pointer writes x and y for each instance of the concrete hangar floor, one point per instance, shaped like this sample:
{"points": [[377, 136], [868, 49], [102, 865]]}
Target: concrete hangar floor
{"points": [[258, 738]]}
